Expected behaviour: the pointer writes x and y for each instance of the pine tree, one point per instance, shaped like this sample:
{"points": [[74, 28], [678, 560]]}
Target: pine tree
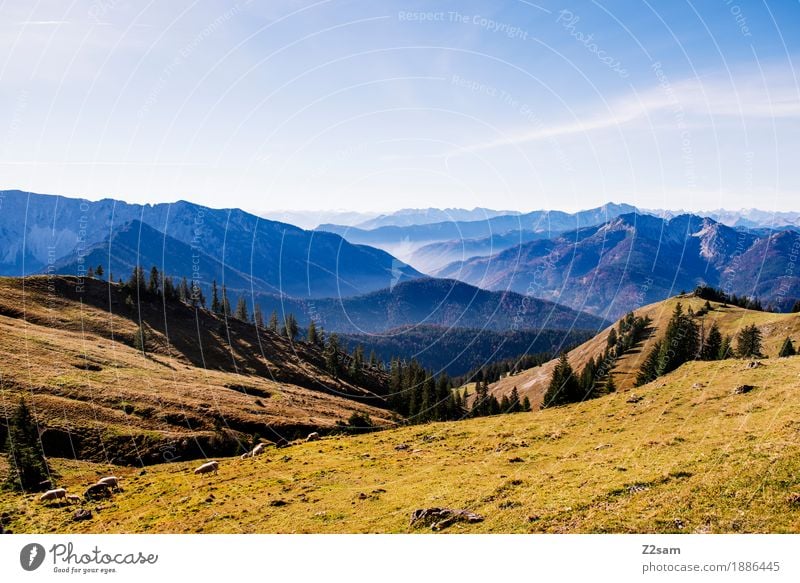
{"points": [[681, 342], [612, 338], [787, 349], [290, 327], [514, 402], [183, 291], [796, 307], [216, 306], [169, 289], [153, 285], [444, 398], [273, 321], [610, 386], [198, 299], [241, 310], [258, 316], [726, 348], [526, 403], [99, 270], [480, 404], [712, 344], [649, 370], [226, 304], [748, 342], [563, 388], [90, 273], [311, 334], [27, 464], [136, 280]]}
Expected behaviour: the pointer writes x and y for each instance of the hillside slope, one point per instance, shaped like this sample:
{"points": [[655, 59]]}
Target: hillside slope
{"points": [[730, 319], [682, 459], [204, 385]]}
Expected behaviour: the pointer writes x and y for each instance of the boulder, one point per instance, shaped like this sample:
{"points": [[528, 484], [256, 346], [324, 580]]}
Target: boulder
{"points": [[441, 518], [82, 514]]}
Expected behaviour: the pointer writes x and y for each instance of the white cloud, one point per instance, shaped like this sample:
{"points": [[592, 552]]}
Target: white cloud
{"points": [[699, 101]]}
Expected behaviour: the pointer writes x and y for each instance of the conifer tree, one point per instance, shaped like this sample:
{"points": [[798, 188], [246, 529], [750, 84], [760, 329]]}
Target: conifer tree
{"points": [[514, 401], [712, 344], [563, 388], [90, 273], [273, 321], [681, 342], [241, 310], [726, 348], [27, 464], [526, 403], [216, 306], [183, 291], [748, 342], [153, 285], [311, 333], [290, 327], [197, 297], [226, 304], [649, 370], [258, 316], [787, 349], [99, 270]]}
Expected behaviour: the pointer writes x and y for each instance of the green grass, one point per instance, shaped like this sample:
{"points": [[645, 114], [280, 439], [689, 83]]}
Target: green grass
{"points": [[689, 456]]}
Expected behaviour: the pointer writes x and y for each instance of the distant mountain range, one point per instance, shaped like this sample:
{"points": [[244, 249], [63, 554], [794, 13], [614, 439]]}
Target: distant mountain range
{"points": [[747, 218], [508, 272], [41, 232], [409, 217], [638, 259], [403, 242]]}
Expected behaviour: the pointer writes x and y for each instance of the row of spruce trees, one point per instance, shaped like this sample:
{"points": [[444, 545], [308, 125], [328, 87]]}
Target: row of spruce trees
{"points": [[595, 379]]}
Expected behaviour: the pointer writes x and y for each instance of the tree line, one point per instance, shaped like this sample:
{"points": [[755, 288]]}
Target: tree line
{"points": [[595, 379]]}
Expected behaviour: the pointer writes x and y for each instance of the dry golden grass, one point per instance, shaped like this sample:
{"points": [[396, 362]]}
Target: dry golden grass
{"points": [[775, 328], [73, 360], [682, 454]]}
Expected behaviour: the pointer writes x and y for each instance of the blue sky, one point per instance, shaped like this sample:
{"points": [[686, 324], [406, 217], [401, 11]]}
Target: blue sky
{"points": [[375, 106]]}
